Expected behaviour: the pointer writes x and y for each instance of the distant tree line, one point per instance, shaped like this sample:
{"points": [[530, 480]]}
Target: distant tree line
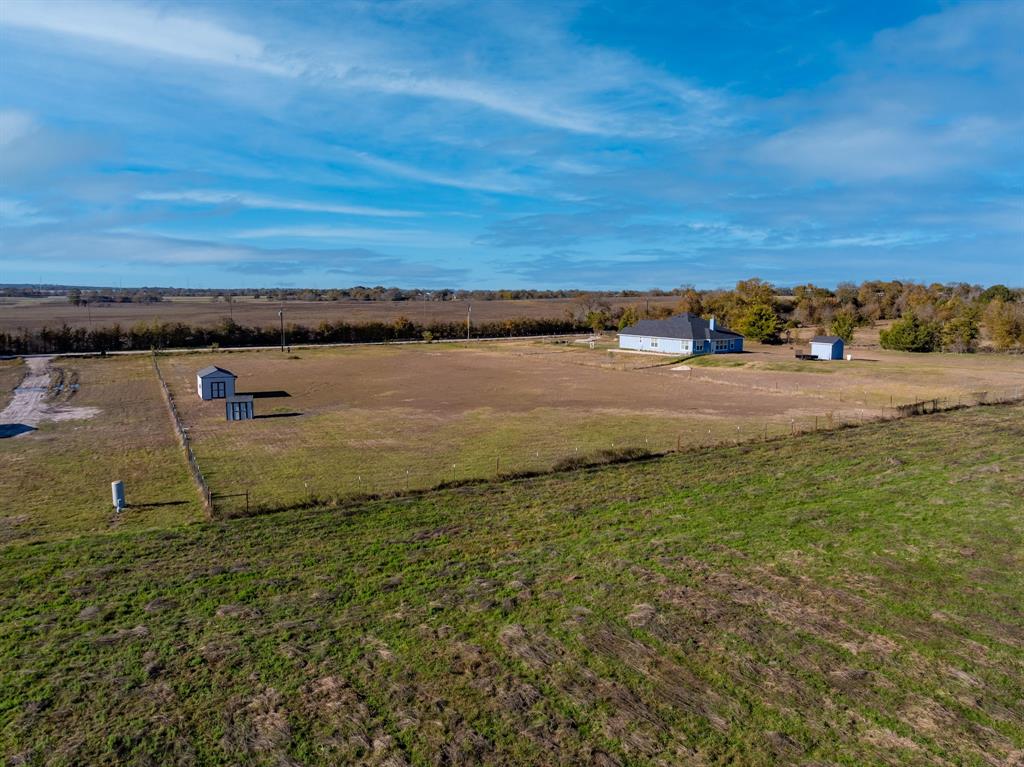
{"points": [[932, 317], [80, 295], [169, 335]]}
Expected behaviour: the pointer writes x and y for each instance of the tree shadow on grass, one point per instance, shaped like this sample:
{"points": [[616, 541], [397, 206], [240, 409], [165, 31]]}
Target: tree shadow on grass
{"points": [[154, 504], [273, 394], [278, 415]]}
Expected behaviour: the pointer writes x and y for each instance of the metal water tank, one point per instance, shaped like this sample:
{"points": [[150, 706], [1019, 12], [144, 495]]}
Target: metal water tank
{"points": [[117, 493]]}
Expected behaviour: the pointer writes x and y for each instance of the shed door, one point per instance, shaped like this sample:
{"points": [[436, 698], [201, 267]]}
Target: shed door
{"points": [[239, 410], [218, 389]]}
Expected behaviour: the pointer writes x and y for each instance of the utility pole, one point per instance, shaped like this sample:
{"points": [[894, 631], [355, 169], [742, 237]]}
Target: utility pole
{"points": [[280, 316], [469, 319]]}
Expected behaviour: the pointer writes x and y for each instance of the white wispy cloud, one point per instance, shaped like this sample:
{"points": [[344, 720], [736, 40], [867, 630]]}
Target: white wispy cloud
{"points": [[419, 237], [937, 96], [510, 100], [247, 200], [14, 124], [147, 28], [15, 212], [490, 181], [566, 87]]}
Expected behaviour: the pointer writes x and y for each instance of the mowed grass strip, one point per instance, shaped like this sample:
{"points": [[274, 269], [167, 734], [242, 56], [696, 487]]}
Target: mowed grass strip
{"points": [[851, 598], [55, 481]]}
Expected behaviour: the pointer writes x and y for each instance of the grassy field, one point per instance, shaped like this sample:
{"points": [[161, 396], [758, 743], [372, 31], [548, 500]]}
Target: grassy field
{"points": [[340, 422], [852, 598], [56, 481], [875, 379], [11, 373]]}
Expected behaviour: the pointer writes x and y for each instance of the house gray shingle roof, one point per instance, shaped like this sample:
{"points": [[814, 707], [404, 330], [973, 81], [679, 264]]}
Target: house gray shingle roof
{"points": [[681, 326], [825, 339], [214, 369]]}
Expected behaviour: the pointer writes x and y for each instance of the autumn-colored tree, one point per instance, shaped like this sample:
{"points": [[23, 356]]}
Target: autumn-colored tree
{"points": [[1005, 323]]}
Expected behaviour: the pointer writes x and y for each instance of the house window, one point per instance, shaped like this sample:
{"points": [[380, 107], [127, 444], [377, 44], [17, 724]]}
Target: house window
{"points": [[218, 389], [721, 346], [654, 342]]}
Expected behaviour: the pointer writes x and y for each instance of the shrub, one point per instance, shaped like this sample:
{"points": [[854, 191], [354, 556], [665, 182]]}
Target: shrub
{"points": [[911, 334]]}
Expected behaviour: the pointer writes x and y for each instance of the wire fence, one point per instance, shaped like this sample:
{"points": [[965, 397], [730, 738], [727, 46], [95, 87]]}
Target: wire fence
{"points": [[308, 467], [205, 495]]}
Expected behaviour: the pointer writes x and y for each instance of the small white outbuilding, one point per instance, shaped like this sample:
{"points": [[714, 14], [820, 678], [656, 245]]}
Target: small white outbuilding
{"points": [[213, 382], [827, 347]]}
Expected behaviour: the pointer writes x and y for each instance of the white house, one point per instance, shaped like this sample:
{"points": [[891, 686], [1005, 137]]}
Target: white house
{"points": [[683, 334], [215, 383], [827, 347]]}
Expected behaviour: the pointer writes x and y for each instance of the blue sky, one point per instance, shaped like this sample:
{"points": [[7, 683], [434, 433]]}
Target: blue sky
{"points": [[495, 144]]}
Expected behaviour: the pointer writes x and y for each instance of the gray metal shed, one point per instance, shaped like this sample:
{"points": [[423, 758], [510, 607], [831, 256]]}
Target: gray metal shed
{"points": [[239, 408]]}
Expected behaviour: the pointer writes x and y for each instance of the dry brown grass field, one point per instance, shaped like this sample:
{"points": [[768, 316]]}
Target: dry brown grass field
{"points": [[55, 481], [337, 422], [34, 313]]}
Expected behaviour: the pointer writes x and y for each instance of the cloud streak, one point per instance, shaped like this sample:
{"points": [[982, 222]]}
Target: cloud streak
{"points": [[244, 199], [144, 28]]}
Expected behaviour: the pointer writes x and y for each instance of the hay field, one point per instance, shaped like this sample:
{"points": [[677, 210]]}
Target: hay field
{"points": [[34, 313], [55, 481], [333, 423]]}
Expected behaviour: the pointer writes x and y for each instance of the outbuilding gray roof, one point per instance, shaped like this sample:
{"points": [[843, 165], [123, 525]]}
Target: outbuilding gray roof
{"points": [[209, 369], [826, 339], [681, 326]]}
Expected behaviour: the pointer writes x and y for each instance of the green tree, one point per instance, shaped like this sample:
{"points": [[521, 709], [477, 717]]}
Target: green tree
{"points": [[843, 325], [597, 319], [960, 334], [911, 334], [761, 323], [1000, 292], [630, 316]]}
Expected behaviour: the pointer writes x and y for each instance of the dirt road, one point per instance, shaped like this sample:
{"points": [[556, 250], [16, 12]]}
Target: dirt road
{"points": [[30, 407]]}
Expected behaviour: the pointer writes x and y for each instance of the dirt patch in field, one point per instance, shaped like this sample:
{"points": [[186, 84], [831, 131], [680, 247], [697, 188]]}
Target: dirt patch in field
{"points": [[34, 402]]}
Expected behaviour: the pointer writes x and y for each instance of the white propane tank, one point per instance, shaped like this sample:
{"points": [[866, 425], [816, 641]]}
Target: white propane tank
{"points": [[117, 494]]}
